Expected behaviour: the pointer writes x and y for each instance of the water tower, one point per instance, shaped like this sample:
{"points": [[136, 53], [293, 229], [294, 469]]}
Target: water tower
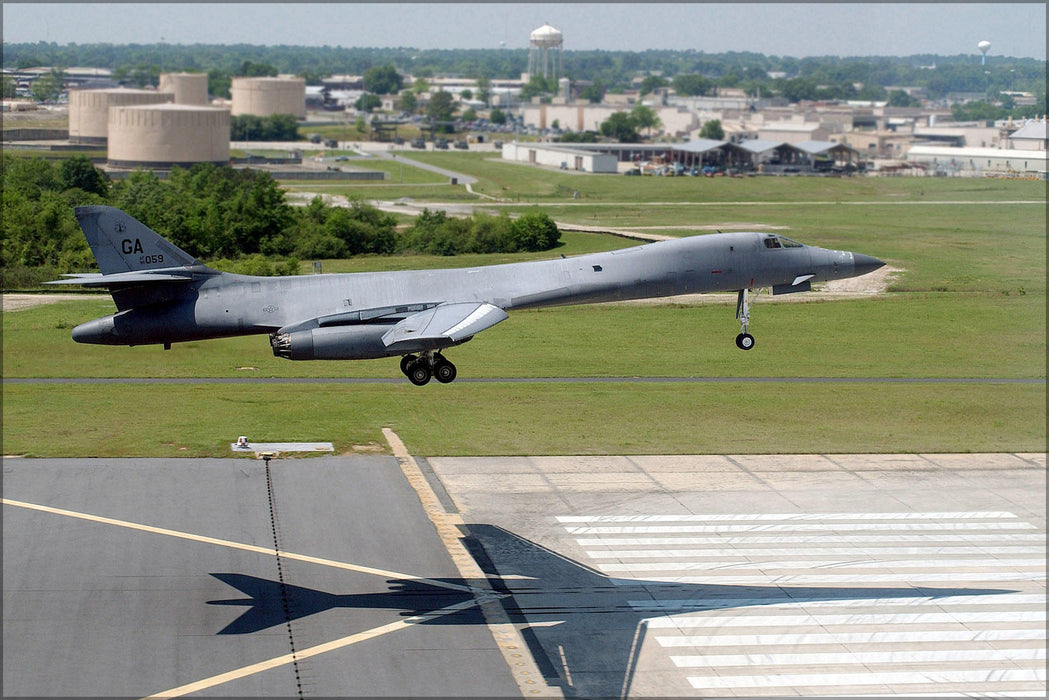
{"points": [[983, 46], [544, 52]]}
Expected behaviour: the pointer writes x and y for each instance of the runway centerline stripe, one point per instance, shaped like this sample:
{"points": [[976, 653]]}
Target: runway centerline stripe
{"points": [[269, 551], [309, 652]]}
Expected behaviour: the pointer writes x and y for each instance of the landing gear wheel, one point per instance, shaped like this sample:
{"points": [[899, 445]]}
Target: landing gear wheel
{"points": [[744, 341], [406, 362], [444, 371], [419, 373]]}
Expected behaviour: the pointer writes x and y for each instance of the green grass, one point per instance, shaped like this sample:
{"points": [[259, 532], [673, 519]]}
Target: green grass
{"points": [[508, 419], [971, 302], [906, 335]]}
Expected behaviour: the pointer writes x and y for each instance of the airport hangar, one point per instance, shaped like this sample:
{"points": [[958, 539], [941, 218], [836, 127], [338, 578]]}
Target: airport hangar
{"points": [[753, 155]]}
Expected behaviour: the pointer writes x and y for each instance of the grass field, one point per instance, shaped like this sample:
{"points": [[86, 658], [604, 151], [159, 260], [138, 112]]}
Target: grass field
{"points": [[970, 303]]}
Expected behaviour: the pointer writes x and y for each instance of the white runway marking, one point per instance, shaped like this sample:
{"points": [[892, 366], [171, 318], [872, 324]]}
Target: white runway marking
{"points": [[761, 517], [968, 644], [892, 679], [801, 527], [906, 656], [801, 639]]}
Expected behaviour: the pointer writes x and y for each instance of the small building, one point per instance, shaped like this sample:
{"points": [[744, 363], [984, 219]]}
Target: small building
{"points": [[1031, 136], [559, 156], [980, 161], [793, 133]]}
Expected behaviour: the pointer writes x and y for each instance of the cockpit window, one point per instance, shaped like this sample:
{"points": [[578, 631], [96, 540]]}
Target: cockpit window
{"points": [[781, 242]]}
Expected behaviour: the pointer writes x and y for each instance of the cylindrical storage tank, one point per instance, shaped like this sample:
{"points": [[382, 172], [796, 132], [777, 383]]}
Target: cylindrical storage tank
{"points": [[160, 136], [89, 110], [188, 88], [265, 97]]}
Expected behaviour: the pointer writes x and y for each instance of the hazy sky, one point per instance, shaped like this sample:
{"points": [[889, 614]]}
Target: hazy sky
{"points": [[783, 29]]}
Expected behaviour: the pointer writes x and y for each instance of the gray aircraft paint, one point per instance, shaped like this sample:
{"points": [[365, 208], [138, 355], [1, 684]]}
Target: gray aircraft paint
{"points": [[164, 295]]}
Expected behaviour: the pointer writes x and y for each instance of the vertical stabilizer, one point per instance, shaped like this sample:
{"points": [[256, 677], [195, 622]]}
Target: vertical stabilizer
{"points": [[121, 243]]}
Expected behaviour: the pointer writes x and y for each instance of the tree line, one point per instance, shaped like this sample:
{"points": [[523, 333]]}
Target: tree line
{"points": [[233, 219], [821, 77]]}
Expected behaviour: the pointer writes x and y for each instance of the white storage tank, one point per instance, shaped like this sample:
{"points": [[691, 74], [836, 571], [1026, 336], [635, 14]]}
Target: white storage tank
{"points": [[159, 136], [188, 88], [265, 97], [89, 110]]}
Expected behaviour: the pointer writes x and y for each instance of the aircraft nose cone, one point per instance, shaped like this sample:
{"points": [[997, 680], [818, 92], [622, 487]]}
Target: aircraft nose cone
{"points": [[862, 264]]}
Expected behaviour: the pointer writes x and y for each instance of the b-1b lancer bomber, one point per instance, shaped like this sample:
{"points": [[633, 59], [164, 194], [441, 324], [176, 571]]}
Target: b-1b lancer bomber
{"points": [[164, 295]]}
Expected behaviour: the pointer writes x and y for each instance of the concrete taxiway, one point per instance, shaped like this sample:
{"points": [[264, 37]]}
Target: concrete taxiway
{"points": [[128, 578], [583, 576]]}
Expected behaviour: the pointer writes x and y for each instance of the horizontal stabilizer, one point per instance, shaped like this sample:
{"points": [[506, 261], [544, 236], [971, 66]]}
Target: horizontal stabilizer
{"points": [[127, 278], [445, 324]]}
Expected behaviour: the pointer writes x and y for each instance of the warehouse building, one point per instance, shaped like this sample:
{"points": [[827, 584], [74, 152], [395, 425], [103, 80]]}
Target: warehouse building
{"points": [[943, 160], [558, 156]]}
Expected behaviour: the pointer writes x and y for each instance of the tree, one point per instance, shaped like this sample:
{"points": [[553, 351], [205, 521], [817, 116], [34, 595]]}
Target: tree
{"points": [[621, 127], [251, 69], [47, 87], [407, 102], [651, 83], [534, 231], [712, 130], [497, 116], [383, 80], [79, 172], [899, 98], [441, 107], [367, 102], [10, 87], [538, 85], [692, 84], [484, 89], [645, 118], [593, 93]]}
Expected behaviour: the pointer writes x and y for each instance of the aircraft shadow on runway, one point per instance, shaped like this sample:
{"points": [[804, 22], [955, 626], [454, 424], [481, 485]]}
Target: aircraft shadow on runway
{"points": [[583, 628]]}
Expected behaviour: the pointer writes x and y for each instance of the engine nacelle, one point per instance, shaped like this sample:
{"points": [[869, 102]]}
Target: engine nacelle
{"points": [[334, 343]]}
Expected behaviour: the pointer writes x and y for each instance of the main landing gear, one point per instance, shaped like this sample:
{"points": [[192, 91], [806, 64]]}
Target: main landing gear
{"points": [[744, 341], [429, 364]]}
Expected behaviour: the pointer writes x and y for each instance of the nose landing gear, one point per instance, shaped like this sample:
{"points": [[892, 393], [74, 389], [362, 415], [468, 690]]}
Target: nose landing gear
{"points": [[744, 341], [429, 364]]}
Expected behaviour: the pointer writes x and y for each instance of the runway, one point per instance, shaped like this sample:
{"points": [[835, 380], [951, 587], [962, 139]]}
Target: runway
{"points": [[643, 576]]}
